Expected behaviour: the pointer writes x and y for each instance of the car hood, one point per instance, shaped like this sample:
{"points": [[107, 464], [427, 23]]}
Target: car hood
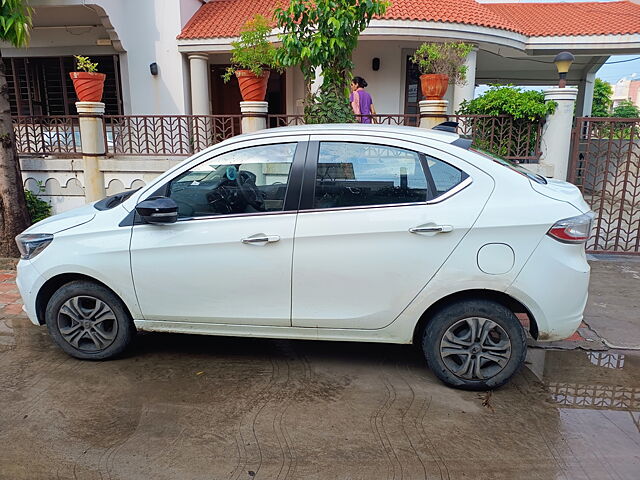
{"points": [[563, 191], [64, 221]]}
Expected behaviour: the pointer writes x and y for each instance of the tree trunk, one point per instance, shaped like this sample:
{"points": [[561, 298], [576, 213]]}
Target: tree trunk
{"points": [[14, 217]]}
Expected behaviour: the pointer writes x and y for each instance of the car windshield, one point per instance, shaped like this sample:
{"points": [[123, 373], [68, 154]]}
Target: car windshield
{"points": [[513, 166]]}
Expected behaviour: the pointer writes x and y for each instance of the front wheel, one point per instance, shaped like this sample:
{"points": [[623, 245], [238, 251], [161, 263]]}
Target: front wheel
{"points": [[474, 345], [89, 321]]}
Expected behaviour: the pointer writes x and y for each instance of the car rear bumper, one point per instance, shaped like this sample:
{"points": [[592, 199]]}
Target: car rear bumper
{"points": [[553, 285], [29, 281]]}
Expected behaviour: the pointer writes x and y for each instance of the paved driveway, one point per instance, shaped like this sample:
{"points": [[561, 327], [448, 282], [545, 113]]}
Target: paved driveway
{"points": [[189, 407]]}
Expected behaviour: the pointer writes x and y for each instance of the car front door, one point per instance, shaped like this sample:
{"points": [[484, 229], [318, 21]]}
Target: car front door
{"points": [[227, 259], [376, 222]]}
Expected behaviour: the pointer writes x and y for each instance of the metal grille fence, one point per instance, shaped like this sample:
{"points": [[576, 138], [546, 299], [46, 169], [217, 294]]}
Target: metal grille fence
{"points": [[605, 165], [182, 135], [515, 139], [47, 135], [167, 134], [503, 135], [282, 120]]}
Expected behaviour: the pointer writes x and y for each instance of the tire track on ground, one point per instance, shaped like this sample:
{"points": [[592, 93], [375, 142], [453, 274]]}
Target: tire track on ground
{"points": [[377, 424], [419, 424], [261, 401], [402, 419]]}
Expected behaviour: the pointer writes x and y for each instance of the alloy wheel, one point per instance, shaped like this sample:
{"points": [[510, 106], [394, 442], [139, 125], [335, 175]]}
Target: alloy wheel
{"points": [[475, 348], [87, 323]]}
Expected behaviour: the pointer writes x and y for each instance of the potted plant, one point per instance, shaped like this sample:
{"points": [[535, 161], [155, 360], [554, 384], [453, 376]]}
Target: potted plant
{"points": [[252, 57], [87, 82], [441, 64]]}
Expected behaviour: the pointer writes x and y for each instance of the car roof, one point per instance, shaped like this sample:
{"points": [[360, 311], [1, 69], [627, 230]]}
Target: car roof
{"points": [[356, 129]]}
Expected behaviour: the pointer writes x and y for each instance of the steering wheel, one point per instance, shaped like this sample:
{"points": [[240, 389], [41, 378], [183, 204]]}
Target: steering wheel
{"points": [[246, 182]]}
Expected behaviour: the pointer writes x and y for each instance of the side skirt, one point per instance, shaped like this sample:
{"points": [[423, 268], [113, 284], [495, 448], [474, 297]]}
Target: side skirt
{"points": [[384, 335]]}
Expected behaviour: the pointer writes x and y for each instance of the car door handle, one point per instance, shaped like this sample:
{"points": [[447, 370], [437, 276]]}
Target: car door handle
{"points": [[432, 229], [261, 239]]}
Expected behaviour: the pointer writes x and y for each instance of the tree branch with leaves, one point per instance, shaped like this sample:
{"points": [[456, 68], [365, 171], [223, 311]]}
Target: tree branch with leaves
{"points": [[323, 34], [15, 24]]}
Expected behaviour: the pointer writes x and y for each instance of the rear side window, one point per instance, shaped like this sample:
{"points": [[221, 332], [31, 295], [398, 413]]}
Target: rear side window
{"points": [[362, 174], [445, 176]]}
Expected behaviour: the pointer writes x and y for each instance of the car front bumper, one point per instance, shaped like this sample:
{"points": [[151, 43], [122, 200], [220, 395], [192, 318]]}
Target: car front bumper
{"points": [[29, 281]]}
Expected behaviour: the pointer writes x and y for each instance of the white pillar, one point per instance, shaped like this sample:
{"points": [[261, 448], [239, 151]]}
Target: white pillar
{"points": [[93, 148], [254, 116], [585, 96], [466, 91], [199, 68], [556, 133], [433, 112]]}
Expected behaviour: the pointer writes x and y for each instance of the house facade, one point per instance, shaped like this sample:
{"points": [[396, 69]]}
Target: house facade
{"points": [[190, 41], [626, 89]]}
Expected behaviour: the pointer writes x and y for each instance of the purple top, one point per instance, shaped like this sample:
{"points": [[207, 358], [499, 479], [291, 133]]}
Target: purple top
{"points": [[365, 104]]}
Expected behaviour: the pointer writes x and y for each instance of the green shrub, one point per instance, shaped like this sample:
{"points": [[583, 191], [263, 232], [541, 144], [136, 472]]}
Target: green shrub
{"points": [[38, 208], [507, 139], [509, 100], [324, 33]]}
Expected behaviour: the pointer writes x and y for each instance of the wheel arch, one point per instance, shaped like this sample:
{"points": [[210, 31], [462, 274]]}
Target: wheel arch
{"points": [[475, 294], [56, 282]]}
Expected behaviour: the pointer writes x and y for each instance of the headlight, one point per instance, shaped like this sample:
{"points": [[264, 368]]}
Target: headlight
{"points": [[31, 244]]}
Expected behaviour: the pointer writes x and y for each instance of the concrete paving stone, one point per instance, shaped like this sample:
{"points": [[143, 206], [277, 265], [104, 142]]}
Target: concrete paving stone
{"points": [[12, 309], [613, 309], [7, 275], [8, 287]]}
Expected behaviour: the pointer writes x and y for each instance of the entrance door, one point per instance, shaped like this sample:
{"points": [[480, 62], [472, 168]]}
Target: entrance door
{"points": [[227, 98], [357, 264], [412, 93]]}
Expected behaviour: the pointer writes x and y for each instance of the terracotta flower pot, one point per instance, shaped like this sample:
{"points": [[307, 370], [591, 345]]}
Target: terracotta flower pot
{"points": [[88, 86], [434, 85], [252, 87]]}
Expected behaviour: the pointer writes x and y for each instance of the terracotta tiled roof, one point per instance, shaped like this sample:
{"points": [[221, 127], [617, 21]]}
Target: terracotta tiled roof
{"points": [[583, 18], [468, 12], [223, 18]]}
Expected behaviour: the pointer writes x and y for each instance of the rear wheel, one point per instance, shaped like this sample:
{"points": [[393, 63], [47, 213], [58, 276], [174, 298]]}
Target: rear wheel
{"points": [[89, 321], [474, 344]]}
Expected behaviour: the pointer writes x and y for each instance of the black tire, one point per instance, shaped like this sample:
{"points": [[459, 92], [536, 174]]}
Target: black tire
{"points": [[456, 321], [106, 336]]}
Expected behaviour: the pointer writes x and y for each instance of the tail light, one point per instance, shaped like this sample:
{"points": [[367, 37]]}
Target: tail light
{"points": [[574, 229]]}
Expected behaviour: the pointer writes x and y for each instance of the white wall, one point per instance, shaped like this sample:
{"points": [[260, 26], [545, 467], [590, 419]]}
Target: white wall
{"points": [[386, 86], [148, 30], [143, 32]]}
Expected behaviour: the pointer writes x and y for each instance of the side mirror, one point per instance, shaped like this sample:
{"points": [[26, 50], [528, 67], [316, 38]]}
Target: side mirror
{"points": [[158, 210]]}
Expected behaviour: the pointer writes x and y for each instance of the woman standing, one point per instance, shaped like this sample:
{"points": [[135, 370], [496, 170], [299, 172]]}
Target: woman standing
{"points": [[361, 101]]}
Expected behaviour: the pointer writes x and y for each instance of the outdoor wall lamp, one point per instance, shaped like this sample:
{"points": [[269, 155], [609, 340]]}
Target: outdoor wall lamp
{"points": [[563, 62], [153, 68], [375, 64]]}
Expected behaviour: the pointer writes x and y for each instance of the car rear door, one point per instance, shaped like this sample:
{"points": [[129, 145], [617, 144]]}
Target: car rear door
{"points": [[378, 218]]}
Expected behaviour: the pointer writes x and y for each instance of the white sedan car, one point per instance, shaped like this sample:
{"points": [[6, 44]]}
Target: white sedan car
{"points": [[333, 232]]}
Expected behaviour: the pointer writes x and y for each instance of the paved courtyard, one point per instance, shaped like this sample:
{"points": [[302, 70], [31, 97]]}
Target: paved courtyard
{"points": [[189, 407]]}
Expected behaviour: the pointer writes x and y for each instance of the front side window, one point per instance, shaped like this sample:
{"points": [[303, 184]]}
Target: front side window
{"points": [[248, 180], [360, 174]]}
